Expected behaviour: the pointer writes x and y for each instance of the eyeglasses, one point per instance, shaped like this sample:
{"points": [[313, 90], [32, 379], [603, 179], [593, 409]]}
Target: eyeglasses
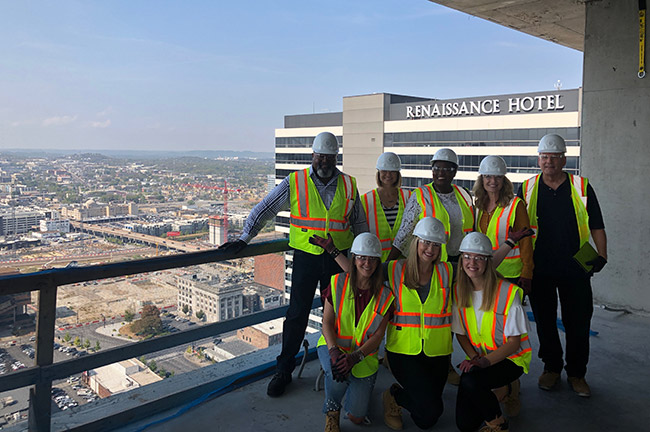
{"points": [[366, 258], [475, 257], [328, 157], [427, 243], [546, 157], [443, 169]]}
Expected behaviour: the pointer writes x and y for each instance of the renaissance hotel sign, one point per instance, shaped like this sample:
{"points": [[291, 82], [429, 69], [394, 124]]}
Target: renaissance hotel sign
{"points": [[499, 105]]}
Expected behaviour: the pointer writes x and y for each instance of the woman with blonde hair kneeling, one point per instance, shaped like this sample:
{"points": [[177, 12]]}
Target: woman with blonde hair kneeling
{"points": [[491, 327]]}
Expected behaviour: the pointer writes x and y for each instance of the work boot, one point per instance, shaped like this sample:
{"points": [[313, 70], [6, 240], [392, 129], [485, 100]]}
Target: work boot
{"points": [[501, 427], [278, 383], [452, 377], [392, 411], [511, 403], [580, 386], [548, 380], [332, 421]]}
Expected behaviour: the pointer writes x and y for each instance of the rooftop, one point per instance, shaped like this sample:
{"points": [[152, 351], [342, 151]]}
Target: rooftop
{"points": [[617, 375]]}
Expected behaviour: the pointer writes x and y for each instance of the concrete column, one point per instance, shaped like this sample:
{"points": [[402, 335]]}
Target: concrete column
{"points": [[615, 153], [363, 137]]}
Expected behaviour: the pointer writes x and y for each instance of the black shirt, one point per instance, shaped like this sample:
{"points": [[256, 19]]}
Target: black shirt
{"points": [[558, 238]]}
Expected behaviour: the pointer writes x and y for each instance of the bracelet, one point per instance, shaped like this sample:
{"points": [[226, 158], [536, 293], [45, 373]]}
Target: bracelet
{"points": [[510, 243], [335, 252]]}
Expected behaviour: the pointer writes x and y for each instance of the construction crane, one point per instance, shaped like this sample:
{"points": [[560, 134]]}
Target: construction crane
{"points": [[225, 190]]}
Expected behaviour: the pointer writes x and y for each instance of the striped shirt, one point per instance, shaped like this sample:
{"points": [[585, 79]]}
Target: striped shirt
{"points": [[279, 199]]}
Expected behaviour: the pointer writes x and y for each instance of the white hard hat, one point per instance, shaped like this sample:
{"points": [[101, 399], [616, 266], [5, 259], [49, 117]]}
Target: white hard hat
{"points": [[366, 244], [445, 154], [551, 143], [430, 229], [493, 165], [389, 161], [476, 242], [325, 143]]}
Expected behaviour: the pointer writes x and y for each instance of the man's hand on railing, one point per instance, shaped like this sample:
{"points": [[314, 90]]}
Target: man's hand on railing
{"points": [[233, 247]]}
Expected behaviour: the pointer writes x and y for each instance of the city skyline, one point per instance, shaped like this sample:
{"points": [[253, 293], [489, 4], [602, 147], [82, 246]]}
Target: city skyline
{"points": [[166, 76]]}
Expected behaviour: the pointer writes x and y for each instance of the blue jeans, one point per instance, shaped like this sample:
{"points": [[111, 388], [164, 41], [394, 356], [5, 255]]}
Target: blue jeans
{"points": [[358, 389]]}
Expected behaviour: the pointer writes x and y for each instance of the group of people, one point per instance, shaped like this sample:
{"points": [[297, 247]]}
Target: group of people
{"points": [[418, 267]]}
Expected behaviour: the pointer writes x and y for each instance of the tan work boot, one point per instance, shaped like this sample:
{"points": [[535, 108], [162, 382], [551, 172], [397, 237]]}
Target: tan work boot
{"points": [[580, 386], [392, 411], [452, 377], [548, 380], [501, 427], [332, 421], [511, 403]]}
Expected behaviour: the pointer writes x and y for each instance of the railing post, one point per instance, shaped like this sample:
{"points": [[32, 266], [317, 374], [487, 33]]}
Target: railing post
{"points": [[40, 396]]}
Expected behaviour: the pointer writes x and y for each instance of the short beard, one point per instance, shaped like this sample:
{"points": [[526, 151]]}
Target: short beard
{"points": [[325, 173]]}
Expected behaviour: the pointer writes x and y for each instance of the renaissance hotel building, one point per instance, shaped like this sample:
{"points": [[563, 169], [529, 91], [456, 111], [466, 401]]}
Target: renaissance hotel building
{"points": [[415, 128]]}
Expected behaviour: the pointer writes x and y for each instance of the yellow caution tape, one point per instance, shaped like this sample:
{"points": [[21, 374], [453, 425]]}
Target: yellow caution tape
{"points": [[642, 10]]}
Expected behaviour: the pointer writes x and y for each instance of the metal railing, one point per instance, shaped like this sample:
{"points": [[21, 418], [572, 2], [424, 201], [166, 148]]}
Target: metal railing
{"points": [[46, 282]]}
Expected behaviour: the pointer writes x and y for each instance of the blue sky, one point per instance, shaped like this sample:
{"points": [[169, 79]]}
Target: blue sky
{"points": [[174, 75]]}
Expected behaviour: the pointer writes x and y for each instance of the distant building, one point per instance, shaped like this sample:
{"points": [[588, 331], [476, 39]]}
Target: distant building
{"points": [[119, 377], [262, 335], [204, 291], [21, 220], [217, 231], [60, 225], [269, 270]]}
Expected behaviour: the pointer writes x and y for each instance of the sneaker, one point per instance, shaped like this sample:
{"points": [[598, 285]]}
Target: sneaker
{"points": [[548, 380], [502, 427], [392, 411], [278, 383], [511, 403], [452, 377], [580, 386]]}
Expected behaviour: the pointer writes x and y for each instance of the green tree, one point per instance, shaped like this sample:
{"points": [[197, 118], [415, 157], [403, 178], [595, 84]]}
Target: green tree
{"points": [[87, 344], [77, 341], [186, 309], [129, 315], [152, 365], [97, 346], [200, 314], [67, 337]]}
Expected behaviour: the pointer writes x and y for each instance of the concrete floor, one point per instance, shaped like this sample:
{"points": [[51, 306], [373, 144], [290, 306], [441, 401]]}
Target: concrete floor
{"points": [[618, 375]]}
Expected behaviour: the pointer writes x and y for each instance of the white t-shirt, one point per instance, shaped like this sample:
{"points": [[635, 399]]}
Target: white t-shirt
{"points": [[516, 324]]}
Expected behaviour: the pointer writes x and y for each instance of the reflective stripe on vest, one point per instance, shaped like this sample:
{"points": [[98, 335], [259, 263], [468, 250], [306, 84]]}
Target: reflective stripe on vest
{"points": [[309, 215], [578, 198], [377, 223], [490, 336], [497, 231], [417, 326], [431, 205], [350, 337]]}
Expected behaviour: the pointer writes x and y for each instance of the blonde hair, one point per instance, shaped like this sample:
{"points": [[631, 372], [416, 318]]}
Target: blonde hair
{"points": [[464, 286], [376, 279], [506, 194], [397, 184], [412, 268]]}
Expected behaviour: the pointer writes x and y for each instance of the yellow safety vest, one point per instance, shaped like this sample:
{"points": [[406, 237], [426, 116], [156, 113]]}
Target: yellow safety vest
{"points": [[578, 197], [497, 231], [418, 326], [490, 335], [309, 215], [350, 337], [377, 222], [432, 206]]}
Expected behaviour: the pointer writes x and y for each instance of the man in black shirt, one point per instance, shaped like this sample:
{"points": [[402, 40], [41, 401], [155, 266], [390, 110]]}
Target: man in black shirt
{"points": [[564, 210]]}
